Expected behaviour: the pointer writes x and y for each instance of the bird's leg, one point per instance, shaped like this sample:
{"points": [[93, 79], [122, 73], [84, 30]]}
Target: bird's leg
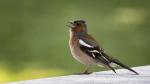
{"points": [[86, 70]]}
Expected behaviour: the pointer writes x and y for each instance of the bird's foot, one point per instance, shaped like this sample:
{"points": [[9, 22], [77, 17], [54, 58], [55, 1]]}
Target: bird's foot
{"points": [[83, 73]]}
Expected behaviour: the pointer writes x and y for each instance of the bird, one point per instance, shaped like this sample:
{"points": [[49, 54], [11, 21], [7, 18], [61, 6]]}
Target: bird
{"points": [[86, 50]]}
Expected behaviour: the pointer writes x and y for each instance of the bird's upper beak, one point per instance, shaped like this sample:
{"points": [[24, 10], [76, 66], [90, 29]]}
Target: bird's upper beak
{"points": [[71, 24]]}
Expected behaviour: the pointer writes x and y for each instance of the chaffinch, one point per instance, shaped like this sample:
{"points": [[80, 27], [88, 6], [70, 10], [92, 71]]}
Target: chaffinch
{"points": [[86, 50]]}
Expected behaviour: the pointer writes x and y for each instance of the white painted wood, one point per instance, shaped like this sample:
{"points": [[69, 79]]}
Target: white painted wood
{"points": [[104, 77]]}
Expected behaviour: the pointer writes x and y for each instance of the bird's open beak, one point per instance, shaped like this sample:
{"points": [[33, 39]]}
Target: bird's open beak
{"points": [[71, 24]]}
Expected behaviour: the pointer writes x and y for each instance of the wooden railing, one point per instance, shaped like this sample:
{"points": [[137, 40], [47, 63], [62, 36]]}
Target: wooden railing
{"points": [[105, 77]]}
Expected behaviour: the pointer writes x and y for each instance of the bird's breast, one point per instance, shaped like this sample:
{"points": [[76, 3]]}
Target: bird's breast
{"points": [[78, 54]]}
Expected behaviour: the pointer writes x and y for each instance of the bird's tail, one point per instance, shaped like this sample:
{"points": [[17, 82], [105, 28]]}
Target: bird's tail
{"points": [[122, 65], [115, 61]]}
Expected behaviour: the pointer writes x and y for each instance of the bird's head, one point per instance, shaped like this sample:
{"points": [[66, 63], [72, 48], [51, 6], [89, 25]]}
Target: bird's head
{"points": [[78, 27]]}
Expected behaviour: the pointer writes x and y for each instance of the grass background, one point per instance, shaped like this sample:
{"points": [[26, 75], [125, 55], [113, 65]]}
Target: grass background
{"points": [[34, 35]]}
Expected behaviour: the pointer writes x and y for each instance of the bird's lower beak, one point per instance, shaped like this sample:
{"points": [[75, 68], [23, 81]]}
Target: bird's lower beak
{"points": [[71, 24]]}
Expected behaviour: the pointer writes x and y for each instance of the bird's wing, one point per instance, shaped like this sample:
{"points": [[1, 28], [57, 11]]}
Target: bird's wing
{"points": [[92, 49], [88, 41]]}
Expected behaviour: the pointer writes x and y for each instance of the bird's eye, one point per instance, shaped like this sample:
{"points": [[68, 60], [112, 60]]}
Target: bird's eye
{"points": [[83, 22], [78, 24]]}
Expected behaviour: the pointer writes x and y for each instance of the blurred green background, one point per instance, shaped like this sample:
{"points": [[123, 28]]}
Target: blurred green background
{"points": [[34, 35]]}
